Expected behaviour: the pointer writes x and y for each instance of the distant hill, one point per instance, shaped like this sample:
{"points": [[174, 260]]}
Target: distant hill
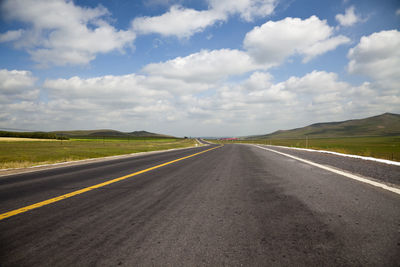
{"points": [[386, 124], [147, 134], [108, 133]]}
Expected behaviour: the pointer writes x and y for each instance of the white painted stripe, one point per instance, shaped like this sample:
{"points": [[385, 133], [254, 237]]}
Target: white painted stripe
{"points": [[346, 174], [391, 162]]}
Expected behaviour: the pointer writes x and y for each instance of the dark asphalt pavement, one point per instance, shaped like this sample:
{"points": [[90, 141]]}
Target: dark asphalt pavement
{"points": [[237, 205], [378, 171]]}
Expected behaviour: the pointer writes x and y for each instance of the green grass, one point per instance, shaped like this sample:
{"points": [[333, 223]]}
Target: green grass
{"points": [[383, 125], [18, 154], [377, 147]]}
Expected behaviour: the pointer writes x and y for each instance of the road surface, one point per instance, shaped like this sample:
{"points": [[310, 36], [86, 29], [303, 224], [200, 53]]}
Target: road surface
{"points": [[236, 205]]}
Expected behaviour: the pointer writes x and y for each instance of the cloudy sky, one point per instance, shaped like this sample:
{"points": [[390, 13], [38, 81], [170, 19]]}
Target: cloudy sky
{"points": [[196, 67]]}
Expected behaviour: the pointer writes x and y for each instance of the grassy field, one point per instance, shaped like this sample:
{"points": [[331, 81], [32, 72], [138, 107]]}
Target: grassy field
{"points": [[377, 147], [18, 139], [25, 153]]}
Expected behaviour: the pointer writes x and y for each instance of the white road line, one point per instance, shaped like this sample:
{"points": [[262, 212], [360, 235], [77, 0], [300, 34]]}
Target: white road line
{"points": [[346, 174], [386, 161]]}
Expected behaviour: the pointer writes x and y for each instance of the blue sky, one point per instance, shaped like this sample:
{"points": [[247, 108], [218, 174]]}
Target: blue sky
{"points": [[198, 68]]}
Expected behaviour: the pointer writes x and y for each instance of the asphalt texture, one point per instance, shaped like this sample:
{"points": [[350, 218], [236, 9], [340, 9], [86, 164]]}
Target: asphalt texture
{"points": [[237, 205], [376, 170]]}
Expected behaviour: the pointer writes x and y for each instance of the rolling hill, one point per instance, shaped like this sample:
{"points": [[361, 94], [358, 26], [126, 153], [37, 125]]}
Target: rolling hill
{"points": [[109, 133], [387, 124]]}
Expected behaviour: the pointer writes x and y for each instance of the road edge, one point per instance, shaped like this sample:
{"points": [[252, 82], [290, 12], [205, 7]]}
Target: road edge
{"points": [[385, 161], [14, 171], [356, 177]]}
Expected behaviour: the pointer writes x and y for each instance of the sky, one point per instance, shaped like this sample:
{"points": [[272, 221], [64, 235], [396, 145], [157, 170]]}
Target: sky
{"points": [[196, 67]]}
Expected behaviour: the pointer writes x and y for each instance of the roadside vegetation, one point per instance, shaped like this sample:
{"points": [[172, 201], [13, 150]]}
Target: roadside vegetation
{"points": [[386, 147], [19, 154], [36, 135]]}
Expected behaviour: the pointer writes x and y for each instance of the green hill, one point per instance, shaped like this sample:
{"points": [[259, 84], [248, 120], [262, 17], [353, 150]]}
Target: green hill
{"points": [[387, 124], [108, 133]]}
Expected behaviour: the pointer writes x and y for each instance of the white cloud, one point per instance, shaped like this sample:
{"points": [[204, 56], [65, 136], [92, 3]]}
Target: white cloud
{"points": [[248, 9], [316, 82], [178, 21], [322, 47], [17, 89], [378, 56], [184, 22], [349, 18], [398, 12], [174, 86], [258, 81], [12, 81], [167, 105], [62, 33], [260, 89], [129, 101], [153, 3], [272, 42], [16, 86], [205, 66], [298, 101], [10, 36], [125, 89], [266, 46]]}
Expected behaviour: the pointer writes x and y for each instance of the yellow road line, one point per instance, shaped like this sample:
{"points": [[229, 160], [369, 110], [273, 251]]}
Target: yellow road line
{"points": [[83, 190]]}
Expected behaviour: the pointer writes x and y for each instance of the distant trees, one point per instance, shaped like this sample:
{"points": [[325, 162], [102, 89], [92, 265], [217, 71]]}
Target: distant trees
{"points": [[39, 135]]}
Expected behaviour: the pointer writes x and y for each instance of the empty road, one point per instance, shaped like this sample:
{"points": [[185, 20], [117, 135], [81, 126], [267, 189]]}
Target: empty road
{"points": [[235, 205]]}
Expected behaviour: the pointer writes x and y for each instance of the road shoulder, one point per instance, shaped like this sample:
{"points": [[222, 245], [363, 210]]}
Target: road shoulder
{"points": [[371, 170], [7, 172]]}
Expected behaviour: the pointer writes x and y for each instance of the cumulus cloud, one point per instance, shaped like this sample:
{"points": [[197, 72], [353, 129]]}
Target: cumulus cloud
{"points": [[10, 36], [378, 57], [274, 41], [128, 101], [317, 96], [205, 66], [265, 46], [259, 88], [17, 94], [184, 22], [137, 99], [171, 105], [17, 85], [248, 9], [15, 80], [152, 3], [60, 33], [125, 90], [319, 82], [178, 21], [349, 18]]}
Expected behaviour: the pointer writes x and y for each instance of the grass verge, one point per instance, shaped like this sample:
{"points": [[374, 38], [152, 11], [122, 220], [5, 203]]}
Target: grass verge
{"points": [[387, 147], [20, 154]]}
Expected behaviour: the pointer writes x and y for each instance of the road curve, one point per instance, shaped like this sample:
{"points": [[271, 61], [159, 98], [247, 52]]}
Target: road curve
{"points": [[234, 205]]}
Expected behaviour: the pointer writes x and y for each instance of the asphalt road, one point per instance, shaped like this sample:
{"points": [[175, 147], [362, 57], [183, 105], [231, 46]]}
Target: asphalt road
{"points": [[376, 170], [235, 205]]}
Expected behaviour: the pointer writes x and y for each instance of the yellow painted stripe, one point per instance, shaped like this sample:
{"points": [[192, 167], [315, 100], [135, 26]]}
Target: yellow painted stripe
{"points": [[87, 189]]}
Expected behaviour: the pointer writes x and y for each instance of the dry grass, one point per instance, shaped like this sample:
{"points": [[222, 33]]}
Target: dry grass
{"points": [[18, 139], [23, 154], [385, 147]]}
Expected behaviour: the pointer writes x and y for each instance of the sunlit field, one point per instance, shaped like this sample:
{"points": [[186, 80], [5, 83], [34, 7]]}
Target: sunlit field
{"points": [[377, 147], [27, 152]]}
